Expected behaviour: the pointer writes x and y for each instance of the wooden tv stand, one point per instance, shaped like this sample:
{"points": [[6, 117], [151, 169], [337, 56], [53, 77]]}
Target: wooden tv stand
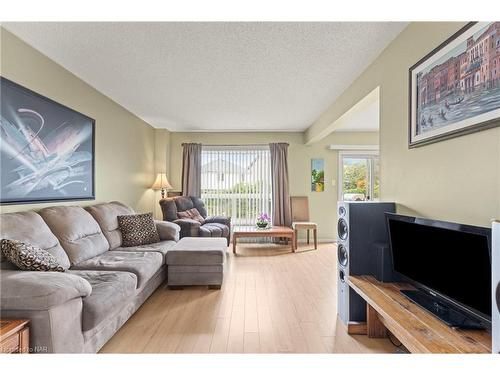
{"points": [[418, 330]]}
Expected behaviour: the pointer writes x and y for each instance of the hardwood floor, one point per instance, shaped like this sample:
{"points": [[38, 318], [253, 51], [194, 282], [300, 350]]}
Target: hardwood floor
{"points": [[272, 301]]}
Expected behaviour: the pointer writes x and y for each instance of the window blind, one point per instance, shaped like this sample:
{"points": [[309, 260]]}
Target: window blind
{"points": [[236, 182]]}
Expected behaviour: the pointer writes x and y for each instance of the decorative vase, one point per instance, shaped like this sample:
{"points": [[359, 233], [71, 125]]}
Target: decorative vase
{"points": [[262, 224]]}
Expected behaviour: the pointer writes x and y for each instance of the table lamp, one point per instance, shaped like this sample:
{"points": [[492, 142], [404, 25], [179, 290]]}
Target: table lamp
{"points": [[161, 183]]}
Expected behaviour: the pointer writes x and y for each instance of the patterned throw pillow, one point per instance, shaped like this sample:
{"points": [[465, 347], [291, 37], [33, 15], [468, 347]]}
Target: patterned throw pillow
{"points": [[138, 229], [193, 213], [28, 257]]}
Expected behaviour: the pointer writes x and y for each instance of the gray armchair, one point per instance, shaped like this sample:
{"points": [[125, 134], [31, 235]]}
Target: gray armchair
{"points": [[211, 226]]}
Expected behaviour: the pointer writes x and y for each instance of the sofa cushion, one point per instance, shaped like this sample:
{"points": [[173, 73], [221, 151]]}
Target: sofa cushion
{"points": [[192, 251], [214, 230], [192, 213], [28, 257], [141, 263], [29, 227], [161, 247], [106, 214], [79, 234], [110, 291], [168, 231], [139, 229], [27, 290]]}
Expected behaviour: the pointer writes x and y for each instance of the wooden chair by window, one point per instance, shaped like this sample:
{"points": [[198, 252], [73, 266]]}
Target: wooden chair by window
{"points": [[300, 218]]}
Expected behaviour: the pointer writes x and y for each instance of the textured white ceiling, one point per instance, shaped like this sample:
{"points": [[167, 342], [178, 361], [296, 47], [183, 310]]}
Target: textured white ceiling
{"points": [[215, 76]]}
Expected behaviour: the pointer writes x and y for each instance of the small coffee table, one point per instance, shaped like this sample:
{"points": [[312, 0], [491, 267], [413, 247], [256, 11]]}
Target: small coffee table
{"points": [[271, 232]]}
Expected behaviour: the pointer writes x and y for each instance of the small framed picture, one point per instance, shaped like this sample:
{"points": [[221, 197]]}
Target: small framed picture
{"points": [[317, 175]]}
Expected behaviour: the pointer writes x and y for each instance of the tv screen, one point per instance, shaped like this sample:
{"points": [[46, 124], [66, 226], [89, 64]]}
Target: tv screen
{"points": [[452, 260]]}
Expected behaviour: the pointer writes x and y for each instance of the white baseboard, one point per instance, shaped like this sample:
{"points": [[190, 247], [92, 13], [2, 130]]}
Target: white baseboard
{"points": [[320, 240]]}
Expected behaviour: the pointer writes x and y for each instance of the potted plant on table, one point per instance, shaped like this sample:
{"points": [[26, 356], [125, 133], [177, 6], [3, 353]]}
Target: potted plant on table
{"points": [[263, 221]]}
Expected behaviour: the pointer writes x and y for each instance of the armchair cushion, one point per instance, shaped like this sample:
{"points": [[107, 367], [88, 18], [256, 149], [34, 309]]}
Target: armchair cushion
{"points": [[192, 213], [214, 230], [169, 209], [190, 208], [189, 227], [183, 203], [219, 219], [27, 290], [199, 205]]}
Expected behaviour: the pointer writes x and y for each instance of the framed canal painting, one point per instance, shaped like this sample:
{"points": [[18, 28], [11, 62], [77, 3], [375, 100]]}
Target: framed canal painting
{"points": [[455, 90], [46, 149]]}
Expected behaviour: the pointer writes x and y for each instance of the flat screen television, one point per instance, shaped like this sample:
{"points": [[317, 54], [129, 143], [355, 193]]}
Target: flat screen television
{"points": [[448, 263]]}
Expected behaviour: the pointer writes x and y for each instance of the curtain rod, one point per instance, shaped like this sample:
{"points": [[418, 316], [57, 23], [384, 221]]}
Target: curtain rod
{"points": [[238, 144], [235, 144]]}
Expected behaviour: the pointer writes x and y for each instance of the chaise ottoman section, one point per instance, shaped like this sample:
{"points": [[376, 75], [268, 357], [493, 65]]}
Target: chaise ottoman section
{"points": [[197, 261]]}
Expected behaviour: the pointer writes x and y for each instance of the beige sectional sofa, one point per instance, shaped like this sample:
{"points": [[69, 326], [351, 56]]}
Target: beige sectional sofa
{"points": [[80, 309]]}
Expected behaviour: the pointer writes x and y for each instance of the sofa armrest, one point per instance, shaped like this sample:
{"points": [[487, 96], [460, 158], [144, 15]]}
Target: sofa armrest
{"points": [[37, 290], [219, 219], [189, 227], [168, 231]]}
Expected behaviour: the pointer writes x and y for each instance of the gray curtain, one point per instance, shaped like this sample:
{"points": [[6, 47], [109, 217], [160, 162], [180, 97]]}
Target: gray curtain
{"points": [[191, 169], [281, 193]]}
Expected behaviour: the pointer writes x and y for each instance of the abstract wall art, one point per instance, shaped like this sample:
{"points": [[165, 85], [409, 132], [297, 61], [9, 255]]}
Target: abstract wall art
{"points": [[455, 89], [46, 149]]}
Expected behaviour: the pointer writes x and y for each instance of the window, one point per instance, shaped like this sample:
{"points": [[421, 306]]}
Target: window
{"points": [[236, 182], [359, 176]]}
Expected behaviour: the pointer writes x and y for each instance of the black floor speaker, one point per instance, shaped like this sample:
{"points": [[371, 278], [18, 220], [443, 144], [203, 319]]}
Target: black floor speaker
{"points": [[363, 249]]}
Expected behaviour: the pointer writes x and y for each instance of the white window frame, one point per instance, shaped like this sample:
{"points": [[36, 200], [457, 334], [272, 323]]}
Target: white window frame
{"points": [[356, 154], [257, 203]]}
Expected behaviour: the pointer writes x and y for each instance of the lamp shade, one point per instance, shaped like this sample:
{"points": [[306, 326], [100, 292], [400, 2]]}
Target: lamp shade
{"points": [[161, 182]]}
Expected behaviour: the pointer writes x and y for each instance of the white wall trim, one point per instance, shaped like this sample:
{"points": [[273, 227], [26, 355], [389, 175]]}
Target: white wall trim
{"points": [[354, 147], [320, 240]]}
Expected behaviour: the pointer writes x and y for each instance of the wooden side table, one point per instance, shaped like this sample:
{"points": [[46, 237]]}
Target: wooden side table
{"points": [[14, 336]]}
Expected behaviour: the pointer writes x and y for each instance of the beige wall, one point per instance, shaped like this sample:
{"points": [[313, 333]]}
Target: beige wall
{"points": [[322, 205], [125, 145], [162, 162], [129, 152], [457, 179]]}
